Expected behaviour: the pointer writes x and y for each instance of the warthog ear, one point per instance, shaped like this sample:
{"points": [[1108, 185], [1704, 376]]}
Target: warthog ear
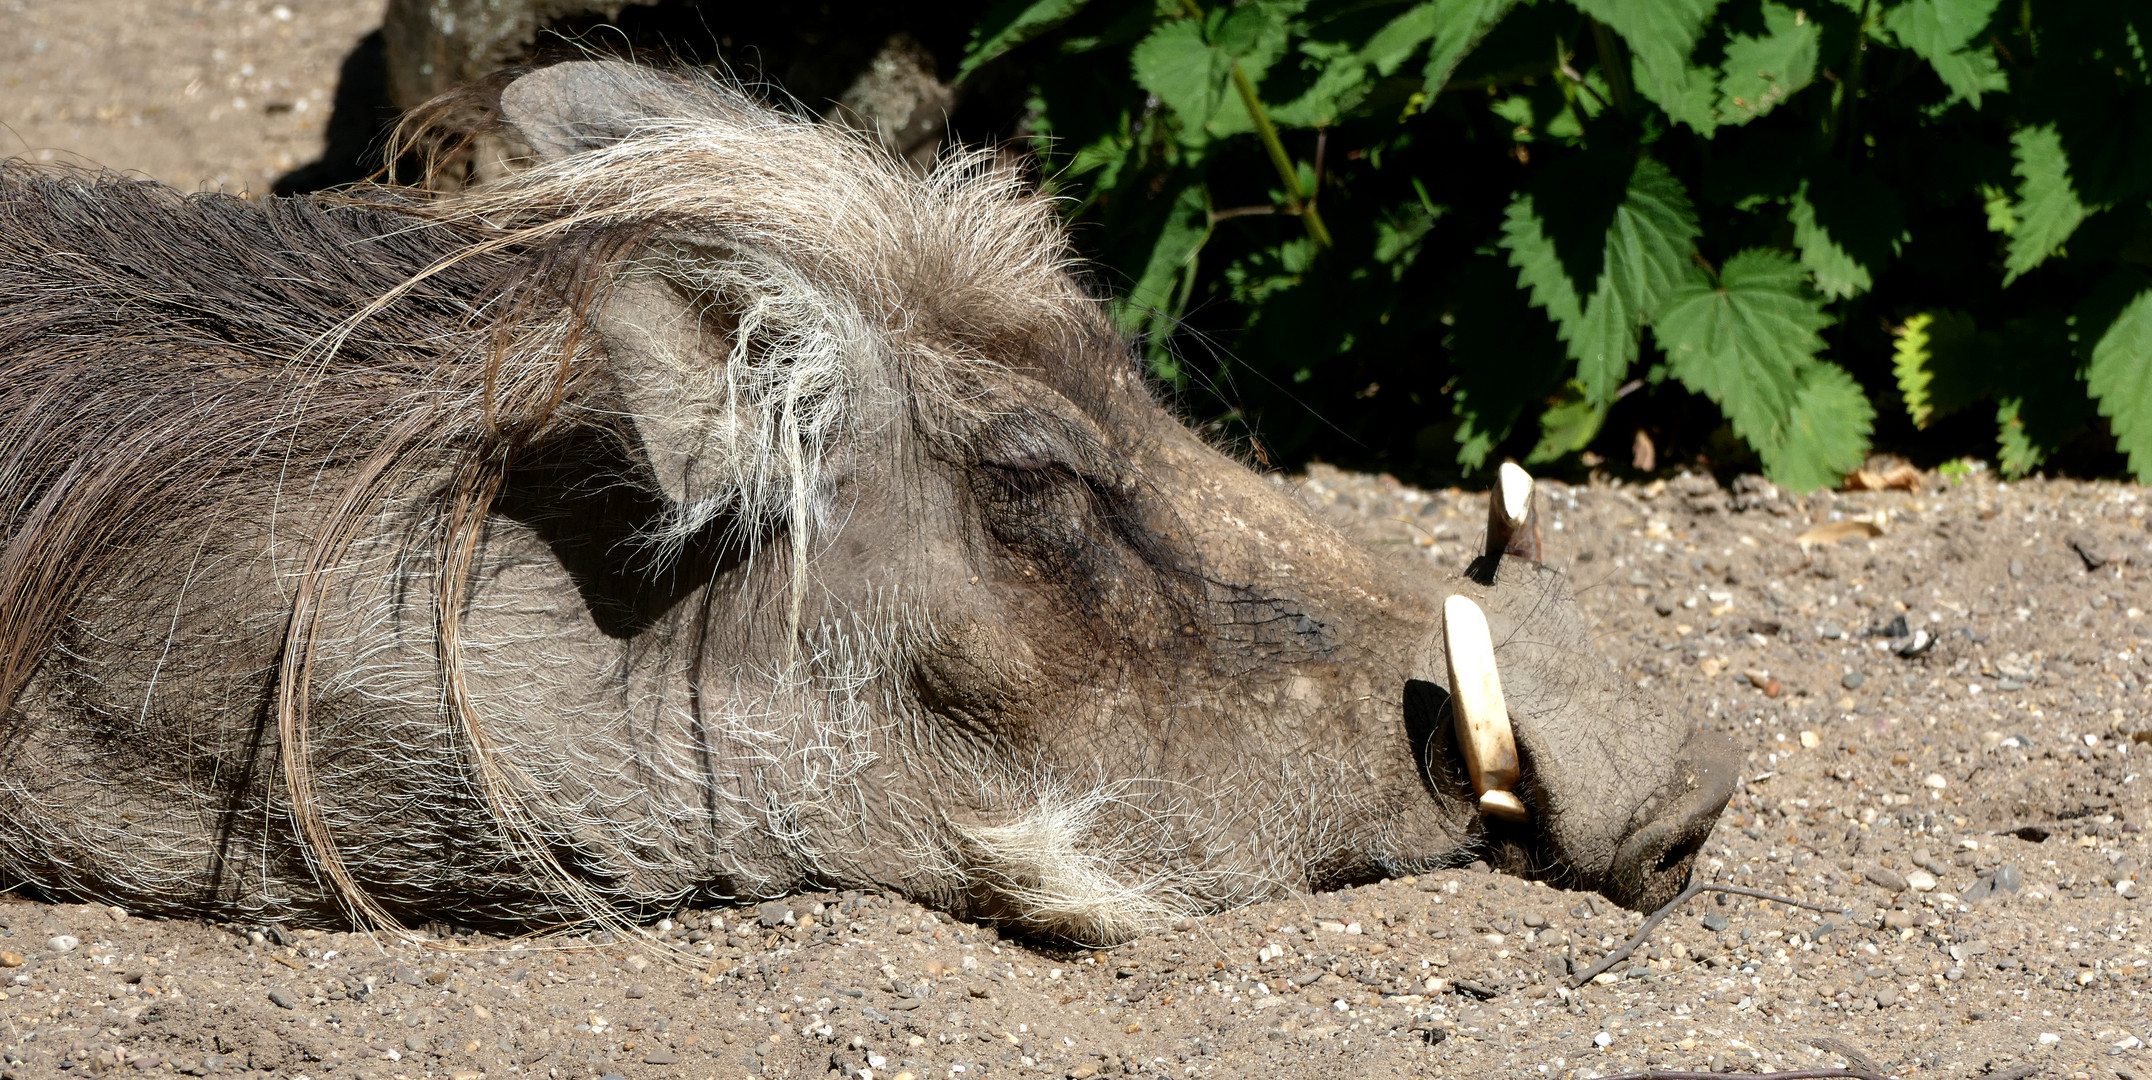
{"points": [[588, 104], [735, 372], [666, 359]]}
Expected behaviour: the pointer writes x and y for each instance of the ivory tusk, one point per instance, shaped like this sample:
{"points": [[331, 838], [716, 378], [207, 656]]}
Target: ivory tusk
{"points": [[1483, 730], [1512, 514]]}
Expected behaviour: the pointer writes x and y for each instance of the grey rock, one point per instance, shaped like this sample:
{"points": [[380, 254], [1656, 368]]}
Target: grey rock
{"points": [[1830, 631], [282, 1000], [661, 1056], [2017, 569], [1853, 680], [775, 913], [417, 1043], [637, 990], [1715, 923], [404, 974], [1885, 877]]}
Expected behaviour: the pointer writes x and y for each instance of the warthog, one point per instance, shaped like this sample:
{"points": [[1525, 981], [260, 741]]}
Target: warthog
{"points": [[717, 508]]}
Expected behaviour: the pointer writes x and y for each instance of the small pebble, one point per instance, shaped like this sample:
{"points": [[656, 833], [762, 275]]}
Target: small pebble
{"points": [[2017, 569], [61, 943], [661, 1056], [1886, 878], [637, 991], [2126, 889], [282, 1000], [1715, 923], [1921, 881], [1852, 680], [775, 913], [1603, 1039]]}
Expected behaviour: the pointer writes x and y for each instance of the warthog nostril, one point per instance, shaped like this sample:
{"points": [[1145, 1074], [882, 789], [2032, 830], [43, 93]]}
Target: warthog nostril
{"points": [[1653, 862]]}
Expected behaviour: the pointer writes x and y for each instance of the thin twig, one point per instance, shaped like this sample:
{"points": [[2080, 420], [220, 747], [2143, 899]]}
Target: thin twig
{"points": [[1241, 211], [1659, 916]]}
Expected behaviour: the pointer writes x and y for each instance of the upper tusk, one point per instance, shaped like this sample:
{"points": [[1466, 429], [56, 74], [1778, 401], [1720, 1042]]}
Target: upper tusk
{"points": [[1483, 729], [1512, 515]]}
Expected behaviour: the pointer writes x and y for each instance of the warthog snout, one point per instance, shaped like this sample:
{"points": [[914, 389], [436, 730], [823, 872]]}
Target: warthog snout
{"points": [[1577, 774]]}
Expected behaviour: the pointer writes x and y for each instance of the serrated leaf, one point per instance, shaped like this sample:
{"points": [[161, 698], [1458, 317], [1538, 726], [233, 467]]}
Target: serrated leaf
{"points": [[1569, 425], [1506, 361], [1011, 23], [1341, 85], [1847, 228], [1934, 28], [1660, 35], [1970, 73], [1459, 25], [1826, 434], [2120, 377], [1154, 301], [1187, 74], [1689, 96], [1643, 251], [2015, 451], [1744, 340], [1763, 71], [1837, 272], [2048, 210], [1909, 362]]}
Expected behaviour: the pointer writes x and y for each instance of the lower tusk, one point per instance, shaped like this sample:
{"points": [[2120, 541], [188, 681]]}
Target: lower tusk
{"points": [[1483, 729]]}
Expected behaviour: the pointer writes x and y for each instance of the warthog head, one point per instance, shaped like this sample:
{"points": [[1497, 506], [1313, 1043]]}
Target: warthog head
{"points": [[710, 509]]}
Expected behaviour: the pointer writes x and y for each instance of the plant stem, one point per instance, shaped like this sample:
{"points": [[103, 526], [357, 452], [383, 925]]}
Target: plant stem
{"points": [[1644, 931], [1268, 132]]}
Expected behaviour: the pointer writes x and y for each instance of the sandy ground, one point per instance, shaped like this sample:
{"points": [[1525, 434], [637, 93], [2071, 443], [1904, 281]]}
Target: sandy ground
{"points": [[1970, 798]]}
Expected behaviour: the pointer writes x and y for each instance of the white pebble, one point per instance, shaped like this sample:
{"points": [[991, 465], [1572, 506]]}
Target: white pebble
{"points": [[1603, 1039], [1920, 881], [2049, 1038], [61, 943], [1936, 781]]}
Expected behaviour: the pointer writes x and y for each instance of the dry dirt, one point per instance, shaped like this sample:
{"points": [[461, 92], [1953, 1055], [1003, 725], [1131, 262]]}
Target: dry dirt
{"points": [[1971, 798]]}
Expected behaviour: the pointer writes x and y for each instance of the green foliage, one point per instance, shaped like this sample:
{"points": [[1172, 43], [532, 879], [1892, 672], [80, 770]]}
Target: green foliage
{"points": [[1425, 235]]}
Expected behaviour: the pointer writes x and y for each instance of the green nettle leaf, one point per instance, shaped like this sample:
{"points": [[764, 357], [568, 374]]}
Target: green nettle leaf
{"points": [[1011, 23], [1459, 25], [1569, 425], [1644, 253], [1154, 303], [1661, 34], [2016, 453], [1188, 75], [1827, 433], [1763, 71], [1506, 359], [1970, 73], [1748, 342], [1938, 26], [1838, 274], [1847, 227], [2048, 209], [1909, 362], [1742, 340], [1342, 85], [1942, 32], [2120, 376]]}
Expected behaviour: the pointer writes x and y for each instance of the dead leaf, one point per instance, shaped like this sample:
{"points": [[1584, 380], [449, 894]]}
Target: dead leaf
{"points": [[1884, 473], [1831, 532]]}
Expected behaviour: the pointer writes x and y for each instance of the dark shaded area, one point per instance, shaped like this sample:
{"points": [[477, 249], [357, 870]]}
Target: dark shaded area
{"points": [[360, 118], [574, 492]]}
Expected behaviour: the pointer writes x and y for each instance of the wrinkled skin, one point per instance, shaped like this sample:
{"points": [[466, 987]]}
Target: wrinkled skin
{"points": [[1039, 592]]}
